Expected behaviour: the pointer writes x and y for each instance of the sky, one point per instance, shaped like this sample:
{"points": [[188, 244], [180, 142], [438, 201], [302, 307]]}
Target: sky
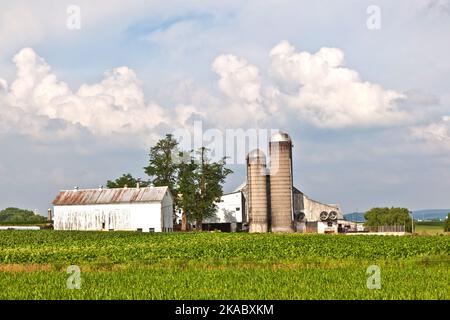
{"points": [[362, 87]]}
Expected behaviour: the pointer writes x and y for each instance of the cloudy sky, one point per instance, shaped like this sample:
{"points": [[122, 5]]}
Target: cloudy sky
{"points": [[363, 87]]}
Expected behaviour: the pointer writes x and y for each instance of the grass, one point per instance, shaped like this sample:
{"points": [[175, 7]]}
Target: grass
{"points": [[429, 228], [221, 266]]}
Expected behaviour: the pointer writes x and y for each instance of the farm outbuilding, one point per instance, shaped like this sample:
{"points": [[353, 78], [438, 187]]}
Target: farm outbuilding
{"points": [[270, 201], [230, 214], [148, 209]]}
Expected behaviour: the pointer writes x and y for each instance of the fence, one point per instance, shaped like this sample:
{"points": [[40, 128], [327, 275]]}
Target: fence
{"points": [[399, 228]]}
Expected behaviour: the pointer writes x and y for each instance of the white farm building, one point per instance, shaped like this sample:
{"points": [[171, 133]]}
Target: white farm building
{"points": [[232, 213], [148, 209]]}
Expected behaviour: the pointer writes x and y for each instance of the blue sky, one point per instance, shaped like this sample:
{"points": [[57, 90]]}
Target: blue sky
{"points": [[369, 118]]}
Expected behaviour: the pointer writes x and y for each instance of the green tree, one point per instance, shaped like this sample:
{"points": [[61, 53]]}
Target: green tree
{"points": [[16, 215], [194, 180], [388, 217], [162, 168], [125, 180], [187, 188], [210, 177], [447, 224]]}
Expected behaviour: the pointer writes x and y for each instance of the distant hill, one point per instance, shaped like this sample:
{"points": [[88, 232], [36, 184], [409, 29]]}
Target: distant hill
{"points": [[355, 216], [431, 214], [428, 214]]}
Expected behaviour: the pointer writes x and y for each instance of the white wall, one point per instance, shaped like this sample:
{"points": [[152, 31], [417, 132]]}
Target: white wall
{"points": [[322, 226], [312, 209], [115, 216], [228, 204]]}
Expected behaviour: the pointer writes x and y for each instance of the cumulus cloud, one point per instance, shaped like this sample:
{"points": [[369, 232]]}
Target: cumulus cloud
{"points": [[240, 82], [238, 78], [314, 87], [3, 85], [37, 100], [319, 89], [435, 133]]}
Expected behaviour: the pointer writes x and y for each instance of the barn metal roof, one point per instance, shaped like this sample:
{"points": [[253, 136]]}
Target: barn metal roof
{"points": [[107, 196]]}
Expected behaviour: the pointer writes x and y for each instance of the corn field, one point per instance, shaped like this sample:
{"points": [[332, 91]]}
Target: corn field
{"points": [[128, 265]]}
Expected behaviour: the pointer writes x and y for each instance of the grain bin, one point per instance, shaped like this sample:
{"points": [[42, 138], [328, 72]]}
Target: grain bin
{"points": [[257, 191], [281, 197]]}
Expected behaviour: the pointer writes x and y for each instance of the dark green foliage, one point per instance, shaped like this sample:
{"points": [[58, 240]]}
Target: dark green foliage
{"points": [[388, 217], [194, 180], [16, 215], [210, 177], [162, 166], [200, 185], [187, 186], [126, 180], [447, 224]]}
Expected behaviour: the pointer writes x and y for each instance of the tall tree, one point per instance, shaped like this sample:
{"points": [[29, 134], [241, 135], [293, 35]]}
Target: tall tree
{"points": [[162, 167], [447, 223], [187, 189], [194, 180], [210, 177], [125, 180]]}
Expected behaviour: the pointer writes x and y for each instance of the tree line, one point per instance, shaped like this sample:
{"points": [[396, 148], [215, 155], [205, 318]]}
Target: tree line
{"points": [[195, 181], [20, 216], [376, 217]]}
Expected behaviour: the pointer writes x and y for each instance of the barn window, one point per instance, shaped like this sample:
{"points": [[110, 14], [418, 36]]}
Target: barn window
{"points": [[330, 224]]}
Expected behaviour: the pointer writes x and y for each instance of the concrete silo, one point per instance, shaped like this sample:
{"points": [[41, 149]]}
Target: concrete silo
{"points": [[257, 191], [281, 197]]}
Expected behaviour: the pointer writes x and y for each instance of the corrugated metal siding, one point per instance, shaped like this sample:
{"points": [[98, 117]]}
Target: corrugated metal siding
{"points": [[106, 196]]}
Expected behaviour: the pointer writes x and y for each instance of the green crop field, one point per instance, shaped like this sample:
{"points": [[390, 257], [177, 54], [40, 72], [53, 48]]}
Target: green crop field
{"points": [[128, 265]]}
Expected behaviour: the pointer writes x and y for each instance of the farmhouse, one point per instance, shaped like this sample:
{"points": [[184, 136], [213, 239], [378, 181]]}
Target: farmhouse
{"points": [[148, 209]]}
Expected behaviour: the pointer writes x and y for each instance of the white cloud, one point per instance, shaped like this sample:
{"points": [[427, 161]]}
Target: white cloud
{"points": [[238, 78], [240, 82], [316, 88], [437, 133], [114, 105], [3, 85], [320, 90]]}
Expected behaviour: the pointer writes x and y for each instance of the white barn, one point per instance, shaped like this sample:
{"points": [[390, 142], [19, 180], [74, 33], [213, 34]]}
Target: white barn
{"points": [[230, 214], [309, 212], [148, 209]]}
